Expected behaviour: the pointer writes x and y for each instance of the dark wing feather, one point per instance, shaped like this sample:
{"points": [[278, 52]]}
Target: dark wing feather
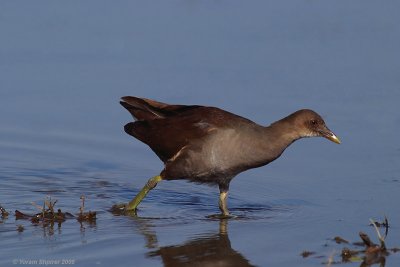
{"points": [[147, 109], [168, 128], [169, 135]]}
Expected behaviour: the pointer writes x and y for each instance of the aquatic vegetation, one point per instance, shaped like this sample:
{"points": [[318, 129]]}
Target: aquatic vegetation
{"points": [[83, 216], [20, 228], [306, 253], [4, 213], [370, 253], [49, 215]]}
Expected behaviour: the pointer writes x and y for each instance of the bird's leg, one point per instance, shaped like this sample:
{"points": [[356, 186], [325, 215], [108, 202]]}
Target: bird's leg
{"points": [[223, 193], [222, 203], [132, 205]]}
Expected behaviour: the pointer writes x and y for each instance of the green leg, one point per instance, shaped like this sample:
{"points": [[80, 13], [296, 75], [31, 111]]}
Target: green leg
{"points": [[222, 203], [132, 205]]}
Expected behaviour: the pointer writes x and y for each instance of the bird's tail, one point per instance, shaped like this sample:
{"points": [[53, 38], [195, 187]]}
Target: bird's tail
{"points": [[142, 108]]}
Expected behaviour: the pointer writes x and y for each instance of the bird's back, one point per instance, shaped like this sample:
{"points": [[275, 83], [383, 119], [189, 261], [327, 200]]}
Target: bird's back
{"points": [[168, 128]]}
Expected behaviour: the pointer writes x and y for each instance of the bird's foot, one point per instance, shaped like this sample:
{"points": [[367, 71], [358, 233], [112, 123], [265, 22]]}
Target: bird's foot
{"points": [[123, 209], [221, 216]]}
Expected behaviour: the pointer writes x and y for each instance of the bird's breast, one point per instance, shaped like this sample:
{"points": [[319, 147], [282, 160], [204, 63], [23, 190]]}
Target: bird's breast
{"points": [[224, 152]]}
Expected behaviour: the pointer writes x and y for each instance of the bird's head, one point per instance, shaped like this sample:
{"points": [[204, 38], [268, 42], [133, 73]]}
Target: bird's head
{"points": [[310, 124]]}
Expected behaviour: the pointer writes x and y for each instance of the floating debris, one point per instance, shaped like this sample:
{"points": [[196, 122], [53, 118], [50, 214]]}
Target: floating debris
{"points": [[48, 214], [340, 240], [380, 237], [306, 253], [4, 213], [89, 216], [20, 228], [370, 253], [366, 240], [394, 250], [349, 255], [385, 223]]}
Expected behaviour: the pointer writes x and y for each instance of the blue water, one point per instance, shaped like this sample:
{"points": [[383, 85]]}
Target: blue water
{"points": [[64, 65]]}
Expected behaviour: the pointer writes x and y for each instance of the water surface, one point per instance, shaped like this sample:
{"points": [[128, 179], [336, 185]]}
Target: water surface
{"points": [[64, 66]]}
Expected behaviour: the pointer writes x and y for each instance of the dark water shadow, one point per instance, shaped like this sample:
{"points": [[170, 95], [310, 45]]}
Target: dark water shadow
{"points": [[204, 249], [211, 249]]}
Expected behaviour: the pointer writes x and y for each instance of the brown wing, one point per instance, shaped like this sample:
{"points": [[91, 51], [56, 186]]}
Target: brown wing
{"points": [[147, 109], [168, 128]]}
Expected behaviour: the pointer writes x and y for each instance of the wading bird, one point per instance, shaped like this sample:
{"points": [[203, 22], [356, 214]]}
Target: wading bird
{"points": [[210, 145]]}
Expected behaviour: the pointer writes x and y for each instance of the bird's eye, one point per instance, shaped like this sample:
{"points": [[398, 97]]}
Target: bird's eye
{"points": [[314, 122]]}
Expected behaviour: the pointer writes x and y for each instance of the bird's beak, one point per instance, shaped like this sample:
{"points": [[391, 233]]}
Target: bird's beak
{"points": [[328, 134]]}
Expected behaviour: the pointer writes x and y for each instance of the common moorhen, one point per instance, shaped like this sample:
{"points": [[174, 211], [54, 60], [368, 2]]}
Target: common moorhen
{"points": [[210, 145]]}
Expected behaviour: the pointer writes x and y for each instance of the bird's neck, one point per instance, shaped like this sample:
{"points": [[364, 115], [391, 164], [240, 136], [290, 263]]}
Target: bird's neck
{"points": [[275, 139], [283, 132]]}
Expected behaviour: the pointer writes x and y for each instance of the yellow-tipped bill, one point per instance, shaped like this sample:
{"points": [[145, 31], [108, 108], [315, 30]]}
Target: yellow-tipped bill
{"points": [[331, 136]]}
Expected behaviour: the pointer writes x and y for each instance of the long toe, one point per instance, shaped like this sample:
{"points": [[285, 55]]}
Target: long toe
{"points": [[122, 209]]}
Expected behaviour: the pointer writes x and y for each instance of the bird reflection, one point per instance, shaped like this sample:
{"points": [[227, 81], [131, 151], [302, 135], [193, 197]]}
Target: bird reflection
{"points": [[210, 250]]}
